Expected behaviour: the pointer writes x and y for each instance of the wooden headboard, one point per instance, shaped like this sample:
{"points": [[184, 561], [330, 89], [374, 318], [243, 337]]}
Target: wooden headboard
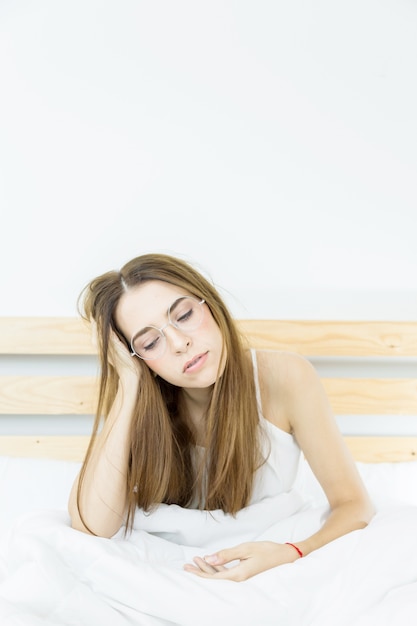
{"points": [[32, 339]]}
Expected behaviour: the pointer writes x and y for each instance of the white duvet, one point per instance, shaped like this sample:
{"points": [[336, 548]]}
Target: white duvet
{"points": [[52, 575]]}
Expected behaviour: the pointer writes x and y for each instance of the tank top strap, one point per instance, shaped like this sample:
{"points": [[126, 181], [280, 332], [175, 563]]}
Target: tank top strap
{"points": [[256, 379], [280, 450]]}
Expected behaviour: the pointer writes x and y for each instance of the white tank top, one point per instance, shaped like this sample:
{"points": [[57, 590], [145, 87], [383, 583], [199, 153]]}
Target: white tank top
{"points": [[280, 449], [273, 497]]}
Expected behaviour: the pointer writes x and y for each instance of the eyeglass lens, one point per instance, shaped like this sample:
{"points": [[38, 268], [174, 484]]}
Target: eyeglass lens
{"points": [[185, 314]]}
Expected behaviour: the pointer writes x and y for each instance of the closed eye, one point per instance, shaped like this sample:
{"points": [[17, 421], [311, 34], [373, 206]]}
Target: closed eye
{"points": [[185, 316], [151, 345]]}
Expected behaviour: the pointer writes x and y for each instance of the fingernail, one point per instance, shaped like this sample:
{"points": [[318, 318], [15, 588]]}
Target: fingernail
{"points": [[212, 559]]}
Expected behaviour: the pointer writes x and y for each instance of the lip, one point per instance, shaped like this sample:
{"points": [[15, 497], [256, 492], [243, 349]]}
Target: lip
{"points": [[195, 363]]}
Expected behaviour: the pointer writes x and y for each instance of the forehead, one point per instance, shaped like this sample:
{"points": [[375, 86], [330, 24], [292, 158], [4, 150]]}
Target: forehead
{"points": [[147, 304]]}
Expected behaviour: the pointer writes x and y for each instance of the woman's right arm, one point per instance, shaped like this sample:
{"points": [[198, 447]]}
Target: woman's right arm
{"points": [[103, 492]]}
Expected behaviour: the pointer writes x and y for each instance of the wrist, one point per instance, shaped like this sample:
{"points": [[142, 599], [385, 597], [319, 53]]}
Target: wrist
{"points": [[296, 550], [129, 382]]}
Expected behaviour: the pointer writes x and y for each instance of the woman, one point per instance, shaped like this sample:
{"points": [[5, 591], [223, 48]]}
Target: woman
{"points": [[193, 417]]}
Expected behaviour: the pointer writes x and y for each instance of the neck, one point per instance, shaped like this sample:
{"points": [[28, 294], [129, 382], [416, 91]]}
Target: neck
{"points": [[197, 397], [196, 403]]}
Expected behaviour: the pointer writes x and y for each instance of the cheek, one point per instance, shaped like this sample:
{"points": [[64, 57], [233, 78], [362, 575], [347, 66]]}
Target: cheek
{"points": [[162, 367], [152, 369], [206, 326], [209, 328], [156, 367], [212, 331]]}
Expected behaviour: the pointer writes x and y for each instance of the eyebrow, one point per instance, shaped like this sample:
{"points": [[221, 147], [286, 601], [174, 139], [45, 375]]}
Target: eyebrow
{"points": [[171, 308], [143, 331]]}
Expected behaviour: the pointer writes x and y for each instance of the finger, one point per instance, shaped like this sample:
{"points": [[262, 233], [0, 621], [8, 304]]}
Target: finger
{"points": [[234, 574], [222, 557], [188, 567], [204, 566], [217, 568], [200, 566], [192, 569], [120, 358]]}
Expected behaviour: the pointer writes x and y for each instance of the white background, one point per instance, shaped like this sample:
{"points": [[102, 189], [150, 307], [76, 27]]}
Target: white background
{"points": [[271, 143]]}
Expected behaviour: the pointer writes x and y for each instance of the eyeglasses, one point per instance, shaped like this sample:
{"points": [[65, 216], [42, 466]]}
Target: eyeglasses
{"points": [[185, 314]]}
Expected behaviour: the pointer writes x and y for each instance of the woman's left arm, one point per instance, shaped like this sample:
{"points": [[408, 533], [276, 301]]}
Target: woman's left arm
{"points": [[306, 413], [318, 436]]}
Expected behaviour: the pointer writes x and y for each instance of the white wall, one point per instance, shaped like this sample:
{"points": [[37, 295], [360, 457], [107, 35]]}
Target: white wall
{"points": [[272, 143]]}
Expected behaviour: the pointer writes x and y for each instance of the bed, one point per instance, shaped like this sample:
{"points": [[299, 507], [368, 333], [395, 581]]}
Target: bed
{"points": [[53, 575]]}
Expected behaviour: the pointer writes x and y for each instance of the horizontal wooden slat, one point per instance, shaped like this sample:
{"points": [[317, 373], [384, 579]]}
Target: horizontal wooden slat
{"points": [[47, 395], [383, 449], [45, 335], [76, 395], [385, 396], [65, 395], [67, 448], [72, 448], [333, 338], [71, 335]]}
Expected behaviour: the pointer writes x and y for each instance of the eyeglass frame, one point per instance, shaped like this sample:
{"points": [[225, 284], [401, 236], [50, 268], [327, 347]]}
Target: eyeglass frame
{"points": [[161, 330]]}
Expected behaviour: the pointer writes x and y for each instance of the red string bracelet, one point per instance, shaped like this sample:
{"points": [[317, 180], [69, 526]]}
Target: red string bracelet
{"points": [[295, 548]]}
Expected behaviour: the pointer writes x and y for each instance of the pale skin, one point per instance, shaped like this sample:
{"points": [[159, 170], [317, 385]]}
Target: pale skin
{"points": [[293, 400]]}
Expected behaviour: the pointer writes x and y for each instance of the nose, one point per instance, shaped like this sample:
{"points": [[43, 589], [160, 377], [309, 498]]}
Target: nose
{"points": [[177, 340]]}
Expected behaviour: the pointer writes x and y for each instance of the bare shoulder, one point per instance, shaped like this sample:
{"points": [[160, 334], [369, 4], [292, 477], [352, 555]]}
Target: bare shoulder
{"points": [[284, 378], [283, 368]]}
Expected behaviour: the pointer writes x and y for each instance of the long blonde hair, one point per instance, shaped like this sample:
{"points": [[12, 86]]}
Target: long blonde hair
{"points": [[161, 461]]}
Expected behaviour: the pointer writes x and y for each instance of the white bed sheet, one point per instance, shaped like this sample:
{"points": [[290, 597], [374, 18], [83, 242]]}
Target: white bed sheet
{"points": [[40, 484], [54, 576], [33, 484]]}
